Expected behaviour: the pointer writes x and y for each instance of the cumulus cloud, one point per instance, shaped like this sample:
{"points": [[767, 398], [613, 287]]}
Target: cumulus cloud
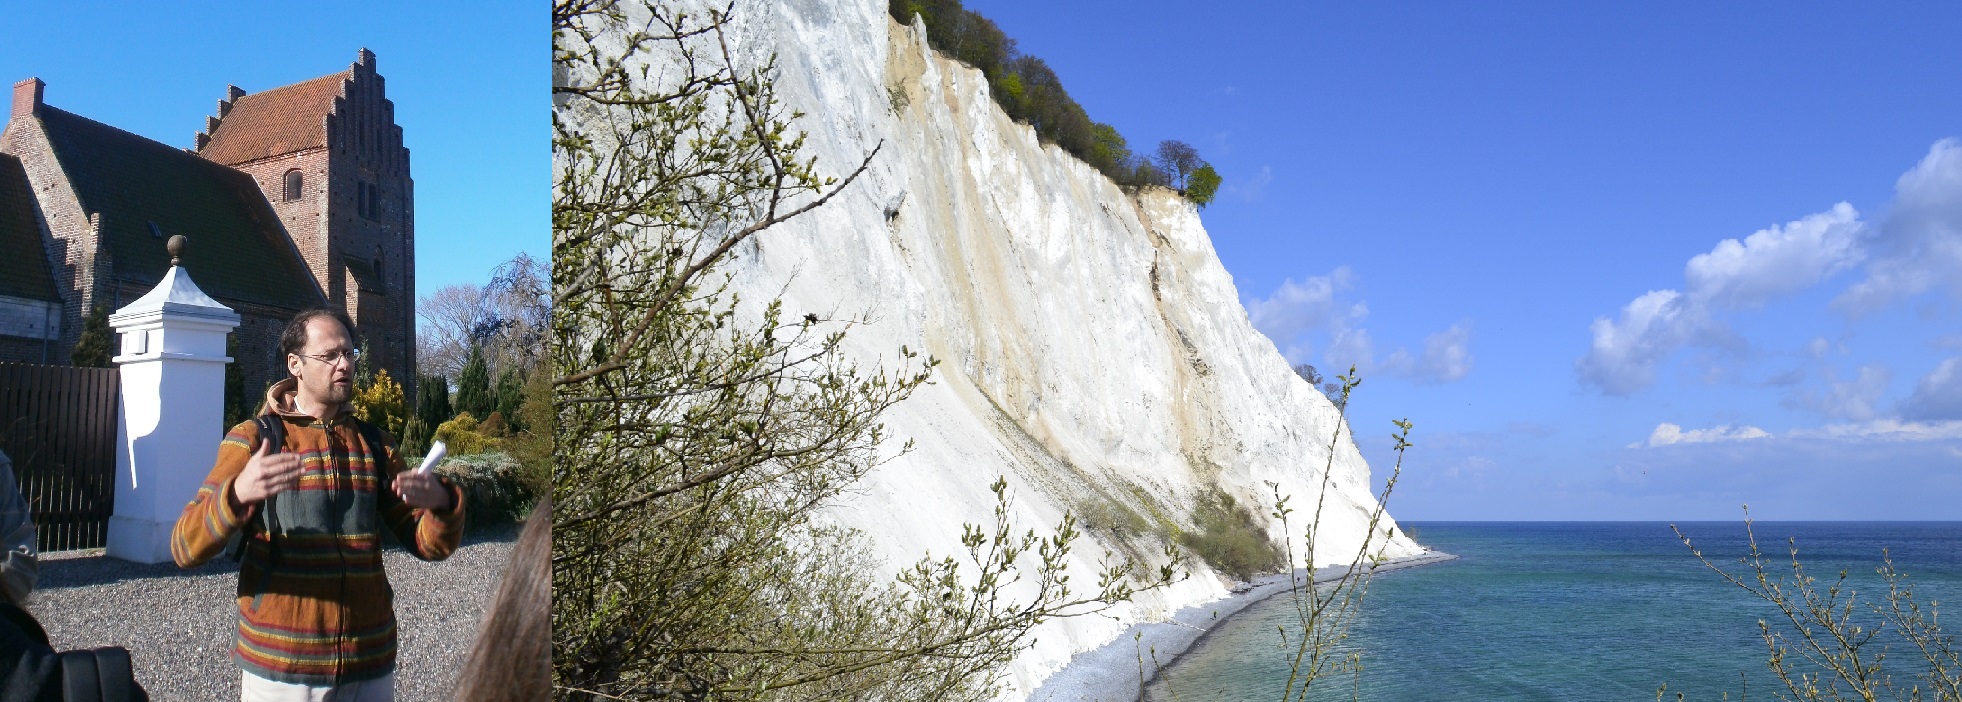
{"points": [[1870, 431], [1626, 350], [1447, 355], [1299, 307], [1856, 399], [1939, 394], [1776, 262], [1883, 430], [1734, 275], [1667, 434], [1919, 244], [1916, 247], [1317, 308]]}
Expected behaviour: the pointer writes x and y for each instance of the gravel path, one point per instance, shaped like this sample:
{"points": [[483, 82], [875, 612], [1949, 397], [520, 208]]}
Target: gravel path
{"points": [[179, 624]]}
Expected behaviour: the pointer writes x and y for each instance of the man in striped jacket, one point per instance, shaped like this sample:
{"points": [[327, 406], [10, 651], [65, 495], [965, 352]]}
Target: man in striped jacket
{"points": [[316, 615]]}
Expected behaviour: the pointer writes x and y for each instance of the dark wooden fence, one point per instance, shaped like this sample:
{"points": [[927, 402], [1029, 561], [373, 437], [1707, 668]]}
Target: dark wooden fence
{"points": [[58, 424]]}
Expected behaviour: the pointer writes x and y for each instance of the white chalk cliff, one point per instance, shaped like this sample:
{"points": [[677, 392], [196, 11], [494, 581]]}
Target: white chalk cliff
{"points": [[1093, 349]]}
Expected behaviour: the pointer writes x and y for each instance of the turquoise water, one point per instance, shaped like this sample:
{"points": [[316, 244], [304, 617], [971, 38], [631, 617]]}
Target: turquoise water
{"points": [[1569, 611]]}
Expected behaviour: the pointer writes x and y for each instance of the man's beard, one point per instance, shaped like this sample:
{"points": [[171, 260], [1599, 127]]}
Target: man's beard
{"points": [[334, 394]]}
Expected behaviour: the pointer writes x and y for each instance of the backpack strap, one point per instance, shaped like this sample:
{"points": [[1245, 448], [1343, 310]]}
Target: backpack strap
{"points": [[377, 451], [271, 429]]}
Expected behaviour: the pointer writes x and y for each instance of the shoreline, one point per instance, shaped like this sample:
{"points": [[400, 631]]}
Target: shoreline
{"points": [[1110, 673]]}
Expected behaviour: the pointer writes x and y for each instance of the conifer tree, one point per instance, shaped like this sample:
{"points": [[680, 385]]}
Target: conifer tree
{"points": [[433, 402], [92, 347], [510, 396], [473, 389]]}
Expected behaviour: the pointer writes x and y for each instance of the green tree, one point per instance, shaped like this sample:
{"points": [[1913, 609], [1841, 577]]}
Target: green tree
{"points": [[1178, 159], [1202, 185], [92, 347], [694, 445], [473, 388], [238, 406], [510, 397], [432, 405], [1108, 151]]}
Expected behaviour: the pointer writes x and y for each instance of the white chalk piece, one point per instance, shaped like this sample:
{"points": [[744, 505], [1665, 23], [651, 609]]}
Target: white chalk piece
{"points": [[435, 454]]}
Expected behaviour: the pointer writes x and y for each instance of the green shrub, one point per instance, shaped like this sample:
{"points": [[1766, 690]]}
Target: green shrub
{"points": [[414, 440], [1105, 515], [1228, 538], [493, 483], [462, 436]]}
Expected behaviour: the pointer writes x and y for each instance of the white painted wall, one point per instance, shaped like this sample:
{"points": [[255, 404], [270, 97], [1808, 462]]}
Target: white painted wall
{"points": [[172, 362]]}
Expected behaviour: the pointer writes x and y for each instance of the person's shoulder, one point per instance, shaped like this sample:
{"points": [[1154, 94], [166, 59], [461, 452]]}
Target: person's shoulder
{"points": [[244, 434]]}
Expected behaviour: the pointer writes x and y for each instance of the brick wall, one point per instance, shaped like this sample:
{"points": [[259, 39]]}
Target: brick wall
{"points": [[366, 161], [304, 219], [67, 232]]}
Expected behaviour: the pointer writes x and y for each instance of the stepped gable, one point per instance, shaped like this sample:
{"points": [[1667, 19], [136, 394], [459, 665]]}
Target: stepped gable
{"points": [[145, 191], [279, 121], [23, 261]]}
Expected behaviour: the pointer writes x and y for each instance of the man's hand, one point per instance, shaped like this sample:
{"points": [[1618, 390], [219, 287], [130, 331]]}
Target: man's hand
{"points": [[422, 490], [266, 474]]}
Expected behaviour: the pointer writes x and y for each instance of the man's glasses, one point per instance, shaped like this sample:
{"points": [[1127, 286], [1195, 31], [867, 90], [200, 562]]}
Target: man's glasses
{"points": [[353, 356]]}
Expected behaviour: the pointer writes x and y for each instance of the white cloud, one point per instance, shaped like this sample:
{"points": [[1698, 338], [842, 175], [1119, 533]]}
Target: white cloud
{"points": [[1939, 394], [1666, 434], [1447, 355], [1297, 308], [1299, 311], [1856, 399], [1776, 262], [1256, 187], [1626, 350], [1352, 347], [1734, 275], [1883, 430], [1870, 431], [1919, 244]]}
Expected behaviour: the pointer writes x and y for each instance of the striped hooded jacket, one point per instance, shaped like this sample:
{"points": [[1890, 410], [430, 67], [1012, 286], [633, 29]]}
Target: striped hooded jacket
{"points": [[317, 609]]}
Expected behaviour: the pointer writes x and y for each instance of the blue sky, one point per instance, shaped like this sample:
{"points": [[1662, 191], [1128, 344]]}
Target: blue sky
{"points": [[467, 79], [1616, 261]]}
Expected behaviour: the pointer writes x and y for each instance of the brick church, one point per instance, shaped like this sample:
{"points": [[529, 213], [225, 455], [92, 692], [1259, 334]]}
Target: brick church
{"points": [[291, 198]]}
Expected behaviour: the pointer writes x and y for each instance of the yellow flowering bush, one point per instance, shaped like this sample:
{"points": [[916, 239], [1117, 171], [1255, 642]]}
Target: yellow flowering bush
{"points": [[382, 404], [462, 436]]}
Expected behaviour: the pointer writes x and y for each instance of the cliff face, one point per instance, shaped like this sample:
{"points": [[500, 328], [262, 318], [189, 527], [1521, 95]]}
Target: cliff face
{"points": [[1094, 351]]}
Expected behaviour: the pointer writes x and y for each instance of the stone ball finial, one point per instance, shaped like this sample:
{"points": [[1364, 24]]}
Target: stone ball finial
{"points": [[176, 248]]}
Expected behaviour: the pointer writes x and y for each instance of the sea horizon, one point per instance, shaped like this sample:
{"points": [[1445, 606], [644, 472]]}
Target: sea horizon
{"points": [[1608, 609]]}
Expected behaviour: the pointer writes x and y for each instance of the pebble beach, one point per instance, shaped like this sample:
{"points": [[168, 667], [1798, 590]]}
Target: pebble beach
{"points": [[1117, 671]]}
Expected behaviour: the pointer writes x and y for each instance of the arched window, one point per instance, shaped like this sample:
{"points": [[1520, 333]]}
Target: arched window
{"points": [[294, 184], [381, 277]]}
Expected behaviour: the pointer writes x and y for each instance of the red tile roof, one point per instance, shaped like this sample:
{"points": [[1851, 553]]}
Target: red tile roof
{"points": [[278, 121]]}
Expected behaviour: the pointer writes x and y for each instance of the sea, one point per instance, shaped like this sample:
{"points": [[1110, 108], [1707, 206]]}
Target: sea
{"points": [[1575, 611]]}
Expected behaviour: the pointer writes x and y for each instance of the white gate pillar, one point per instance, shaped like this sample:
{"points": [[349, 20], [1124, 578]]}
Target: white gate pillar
{"points": [[172, 361]]}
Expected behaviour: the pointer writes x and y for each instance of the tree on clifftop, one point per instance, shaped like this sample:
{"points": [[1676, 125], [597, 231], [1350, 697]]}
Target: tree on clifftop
{"points": [[1178, 159], [694, 444], [1202, 186]]}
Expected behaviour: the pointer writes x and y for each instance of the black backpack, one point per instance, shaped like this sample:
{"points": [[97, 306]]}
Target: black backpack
{"points": [[32, 670], [273, 429]]}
